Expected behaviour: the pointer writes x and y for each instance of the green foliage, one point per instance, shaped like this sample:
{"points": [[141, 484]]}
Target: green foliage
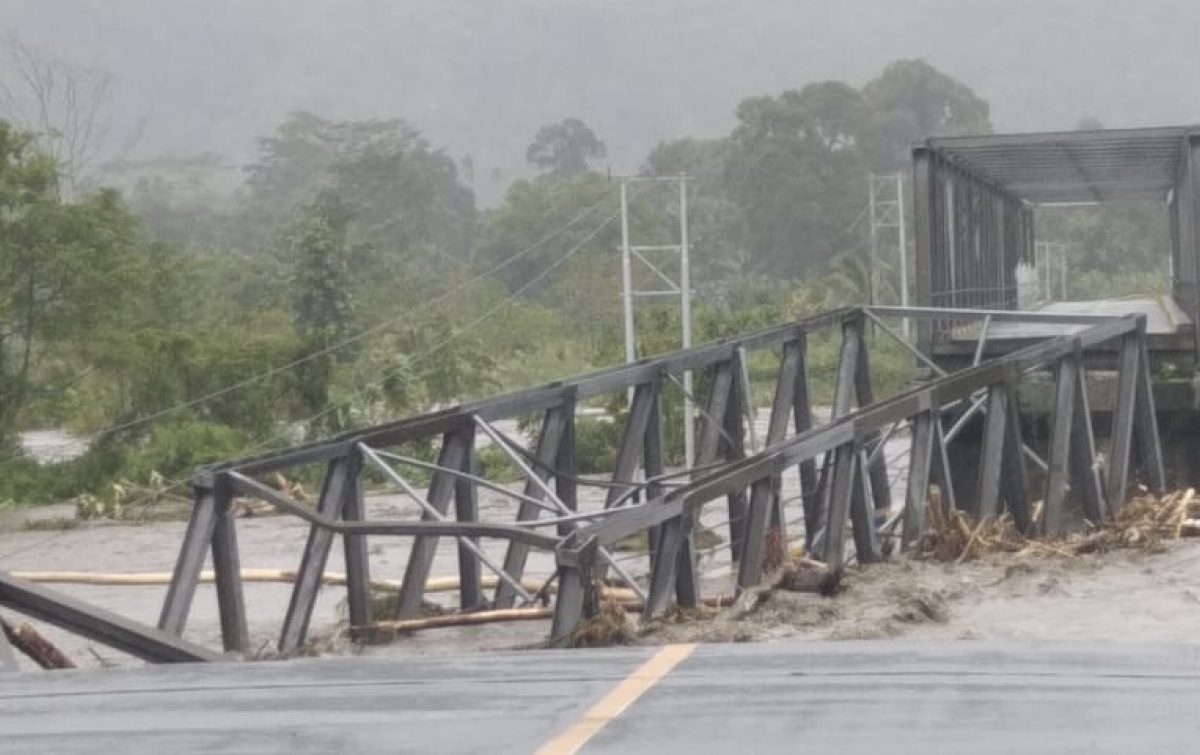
{"points": [[798, 163], [541, 221], [153, 370], [1094, 284], [401, 191], [24, 481], [175, 449], [321, 305], [68, 270], [316, 252], [562, 150], [596, 442], [1124, 242], [172, 451], [910, 101], [715, 224], [851, 279], [184, 331], [497, 466], [796, 175]]}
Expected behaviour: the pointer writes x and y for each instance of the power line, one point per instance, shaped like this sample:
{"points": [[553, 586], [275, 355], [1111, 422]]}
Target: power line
{"points": [[332, 348], [489, 314], [168, 484]]}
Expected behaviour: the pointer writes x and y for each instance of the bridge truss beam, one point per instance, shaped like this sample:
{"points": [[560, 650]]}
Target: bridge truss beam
{"points": [[840, 466]]}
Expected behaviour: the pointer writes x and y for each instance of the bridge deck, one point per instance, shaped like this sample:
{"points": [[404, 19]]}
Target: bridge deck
{"points": [[1170, 331], [1163, 317]]}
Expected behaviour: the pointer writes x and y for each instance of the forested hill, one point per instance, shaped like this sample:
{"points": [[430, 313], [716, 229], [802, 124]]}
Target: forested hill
{"points": [[481, 77]]}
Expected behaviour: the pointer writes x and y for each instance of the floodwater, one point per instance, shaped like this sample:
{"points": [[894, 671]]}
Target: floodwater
{"points": [[1119, 597], [277, 543]]}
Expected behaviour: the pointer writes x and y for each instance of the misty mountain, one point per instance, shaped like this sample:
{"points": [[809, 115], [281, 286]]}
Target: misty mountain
{"points": [[480, 78]]}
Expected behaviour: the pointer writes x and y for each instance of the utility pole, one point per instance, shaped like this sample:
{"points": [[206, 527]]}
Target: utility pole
{"points": [[627, 283], [887, 213], [682, 288], [685, 309], [872, 261], [1047, 256], [1062, 258]]}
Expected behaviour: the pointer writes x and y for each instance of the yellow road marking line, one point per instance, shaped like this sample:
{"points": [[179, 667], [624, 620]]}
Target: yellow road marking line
{"points": [[617, 701]]}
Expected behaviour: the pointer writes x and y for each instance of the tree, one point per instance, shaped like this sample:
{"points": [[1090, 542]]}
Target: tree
{"points": [[68, 272], [712, 213], [540, 221], [910, 101], [797, 175], [564, 149], [402, 192], [66, 106], [320, 296]]}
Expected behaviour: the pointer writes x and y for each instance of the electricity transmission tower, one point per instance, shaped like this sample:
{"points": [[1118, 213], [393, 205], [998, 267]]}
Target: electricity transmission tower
{"points": [[887, 218], [682, 287]]}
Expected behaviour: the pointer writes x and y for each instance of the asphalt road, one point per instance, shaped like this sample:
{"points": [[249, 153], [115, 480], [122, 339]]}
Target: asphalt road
{"points": [[848, 698]]}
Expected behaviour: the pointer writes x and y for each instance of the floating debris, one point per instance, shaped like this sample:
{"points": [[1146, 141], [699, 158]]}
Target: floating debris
{"points": [[1144, 522]]}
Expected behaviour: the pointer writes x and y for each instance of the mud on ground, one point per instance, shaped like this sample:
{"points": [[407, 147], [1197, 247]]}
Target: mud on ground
{"points": [[1122, 595]]}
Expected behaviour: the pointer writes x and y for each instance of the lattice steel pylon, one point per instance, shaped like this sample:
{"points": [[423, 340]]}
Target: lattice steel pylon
{"points": [[886, 213], [681, 288]]}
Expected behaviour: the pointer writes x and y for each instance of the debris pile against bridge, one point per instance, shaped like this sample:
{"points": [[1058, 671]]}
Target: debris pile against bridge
{"points": [[1145, 522]]}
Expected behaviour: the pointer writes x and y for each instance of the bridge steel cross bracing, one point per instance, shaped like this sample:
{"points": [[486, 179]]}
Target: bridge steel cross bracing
{"points": [[643, 498]]}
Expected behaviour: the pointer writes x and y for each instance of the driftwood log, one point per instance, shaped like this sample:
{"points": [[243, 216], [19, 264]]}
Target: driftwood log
{"points": [[37, 648], [798, 574], [442, 585], [473, 618]]}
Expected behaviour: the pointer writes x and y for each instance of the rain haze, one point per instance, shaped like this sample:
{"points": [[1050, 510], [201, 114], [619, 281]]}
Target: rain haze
{"points": [[479, 78], [410, 329]]}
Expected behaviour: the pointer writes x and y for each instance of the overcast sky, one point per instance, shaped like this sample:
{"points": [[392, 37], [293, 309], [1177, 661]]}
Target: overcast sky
{"points": [[479, 76]]}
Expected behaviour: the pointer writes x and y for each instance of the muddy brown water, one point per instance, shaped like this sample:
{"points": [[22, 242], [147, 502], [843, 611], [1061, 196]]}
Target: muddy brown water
{"points": [[277, 543], [1123, 596]]}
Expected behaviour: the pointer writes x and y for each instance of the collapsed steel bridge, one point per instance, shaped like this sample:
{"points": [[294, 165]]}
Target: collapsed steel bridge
{"points": [[801, 485], [961, 424], [836, 467]]}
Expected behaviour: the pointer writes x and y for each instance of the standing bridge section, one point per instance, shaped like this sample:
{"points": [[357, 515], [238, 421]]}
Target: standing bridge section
{"points": [[975, 200]]}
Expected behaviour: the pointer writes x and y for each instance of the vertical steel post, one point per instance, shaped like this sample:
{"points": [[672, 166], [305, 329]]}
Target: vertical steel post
{"points": [[316, 553], [685, 318], [916, 501], [1123, 421], [231, 603], [466, 509], [1058, 475], [196, 543]]}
